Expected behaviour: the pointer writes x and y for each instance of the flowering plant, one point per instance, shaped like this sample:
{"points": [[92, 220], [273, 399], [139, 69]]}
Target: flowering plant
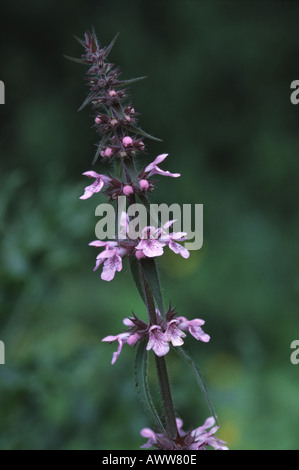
{"points": [[121, 144]]}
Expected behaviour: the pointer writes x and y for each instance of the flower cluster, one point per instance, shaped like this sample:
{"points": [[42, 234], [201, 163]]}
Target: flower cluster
{"points": [[196, 439], [115, 187], [160, 335], [150, 244], [114, 120]]}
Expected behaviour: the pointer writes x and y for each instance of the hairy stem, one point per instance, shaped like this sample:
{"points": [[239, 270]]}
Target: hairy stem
{"points": [[170, 420]]}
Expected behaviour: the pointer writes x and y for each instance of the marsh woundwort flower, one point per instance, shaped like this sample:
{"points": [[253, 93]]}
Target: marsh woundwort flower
{"points": [[158, 336], [196, 439]]}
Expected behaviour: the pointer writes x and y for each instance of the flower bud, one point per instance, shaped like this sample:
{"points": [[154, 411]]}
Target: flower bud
{"points": [[127, 141], [108, 152], [144, 185], [127, 190]]}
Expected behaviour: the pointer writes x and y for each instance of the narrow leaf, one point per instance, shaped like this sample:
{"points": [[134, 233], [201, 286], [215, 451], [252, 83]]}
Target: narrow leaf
{"points": [[108, 48], [151, 274], [143, 391], [74, 59], [139, 131], [182, 353], [100, 145], [131, 80], [80, 41], [89, 98]]}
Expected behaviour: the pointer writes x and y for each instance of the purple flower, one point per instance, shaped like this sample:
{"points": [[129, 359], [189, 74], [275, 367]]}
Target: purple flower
{"points": [[127, 141], [96, 186], [127, 190], [203, 438], [194, 328], [198, 439], [159, 336], [144, 184], [169, 239], [137, 331], [111, 257], [149, 244], [122, 338], [174, 334], [153, 169], [157, 341]]}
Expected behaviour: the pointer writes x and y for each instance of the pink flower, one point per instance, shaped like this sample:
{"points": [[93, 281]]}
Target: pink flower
{"points": [[194, 327], [202, 438], [108, 152], [198, 439], [153, 169], [122, 338], [127, 141], [96, 186], [177, 248], [151, 436], [157, 341], [149, 244], [174, 334], [171, 239], [127, 190], [137, 330], [112, 258], [144, 184]]}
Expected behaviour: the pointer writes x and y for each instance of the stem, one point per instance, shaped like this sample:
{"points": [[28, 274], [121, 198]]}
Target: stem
{"points": [[170, 420]]}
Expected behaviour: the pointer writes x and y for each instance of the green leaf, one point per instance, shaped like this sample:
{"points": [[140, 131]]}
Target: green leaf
{"points": [[131, 80], [97, 153], [74, 59], [151, 275], [135, 270], [100, 146], [139, 131], [182, 353], [88, 100], [143, 391], [108, 48]]}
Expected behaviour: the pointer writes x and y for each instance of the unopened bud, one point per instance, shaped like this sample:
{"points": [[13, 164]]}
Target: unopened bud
{"points": [[112, 93], [144, 185], [108, 152], [127, 190], [127, 141], [98, 120], [113, 122]]}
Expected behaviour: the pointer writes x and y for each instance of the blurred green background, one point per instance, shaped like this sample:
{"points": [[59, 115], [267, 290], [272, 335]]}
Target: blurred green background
{"points": [[218, 94]]}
